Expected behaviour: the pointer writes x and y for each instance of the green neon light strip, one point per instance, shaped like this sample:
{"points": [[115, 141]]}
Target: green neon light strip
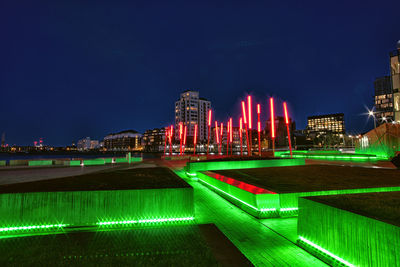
{"points": [[191, 174], [32, 227], [247, 204], [147, 221], [325, 251], [337, 157], [288, 209]]}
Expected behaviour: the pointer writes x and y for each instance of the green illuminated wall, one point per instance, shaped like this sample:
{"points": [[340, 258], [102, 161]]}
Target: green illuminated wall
{"points": [[121, 160], [40, 162], [108, 160], [273, 205], [90, 207], [18, 162], [291, 200], [193, 167], [359, 240], [73, 163], [251, 203], [89, 162], [3, 163]]}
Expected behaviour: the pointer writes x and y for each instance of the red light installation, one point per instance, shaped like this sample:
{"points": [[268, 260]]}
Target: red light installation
{"points": [[287, 128], [184, 137], [195, 139], [166, 137], [240, 136], [250, 123], [259, 128], [227, 137], [209, 129], [216, 133], [242, 185], [222, 131], [244, 113], [231, 134], [245, 126], [271, 102], [170, 139], [180, 137]]}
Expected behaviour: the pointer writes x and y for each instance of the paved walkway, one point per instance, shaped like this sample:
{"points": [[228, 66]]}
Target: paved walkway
{"points": [[261, 245]]}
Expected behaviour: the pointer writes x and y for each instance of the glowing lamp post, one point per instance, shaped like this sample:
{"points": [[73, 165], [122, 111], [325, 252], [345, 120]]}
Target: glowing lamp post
{"points": [[259, 128], [250, 122], [195, 139], [287, 127], [241, 136], [209, 129], [245, 126], [271, 103]]}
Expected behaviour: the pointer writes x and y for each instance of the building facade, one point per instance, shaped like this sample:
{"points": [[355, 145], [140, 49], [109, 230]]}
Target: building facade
{"points": [[154, 140], [326, 124], [123, 141], [281, 136], [383, 99], [395, 78], [190, 110]]}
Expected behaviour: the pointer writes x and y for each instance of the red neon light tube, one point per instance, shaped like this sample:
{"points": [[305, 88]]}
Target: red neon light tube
{"points": [[249, 111], [230, 130], [209, 117], [195, 134], [184, 136], [244, 112], [216, 132], [286, 113], [271, 102]]}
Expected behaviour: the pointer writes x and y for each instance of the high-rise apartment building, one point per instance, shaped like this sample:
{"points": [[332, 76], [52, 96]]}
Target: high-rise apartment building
{"points": [[190, 110], [395, 78], [383, 99], [326, 124]]}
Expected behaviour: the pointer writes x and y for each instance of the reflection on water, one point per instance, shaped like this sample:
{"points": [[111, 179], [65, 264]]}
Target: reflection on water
{"points": [[166, 246]]}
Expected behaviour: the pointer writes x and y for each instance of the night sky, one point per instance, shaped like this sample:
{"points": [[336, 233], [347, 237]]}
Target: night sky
{"points": [[70, 70]]}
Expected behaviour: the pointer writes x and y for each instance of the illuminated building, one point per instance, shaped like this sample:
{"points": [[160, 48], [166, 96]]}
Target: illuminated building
{"points": [[383, 99], [123, 141], [154, 140], [87, 144], [191, 110], [326, 124], [395, 78]]}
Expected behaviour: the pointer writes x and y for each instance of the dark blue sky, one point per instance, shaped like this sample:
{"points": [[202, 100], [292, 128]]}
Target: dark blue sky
{"points": [[70, 69]]}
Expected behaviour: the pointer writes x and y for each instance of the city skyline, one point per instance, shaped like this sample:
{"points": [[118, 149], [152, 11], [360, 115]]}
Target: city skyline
{"points": [[123, 68]]}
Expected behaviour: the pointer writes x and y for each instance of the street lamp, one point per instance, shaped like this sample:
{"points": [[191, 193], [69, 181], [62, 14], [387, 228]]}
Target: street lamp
{"points": [[371, 114]]}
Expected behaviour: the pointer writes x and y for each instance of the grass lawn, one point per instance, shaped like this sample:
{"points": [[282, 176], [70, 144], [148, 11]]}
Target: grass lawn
{"points": [[314, 178], [383, 206], [141, 178]]}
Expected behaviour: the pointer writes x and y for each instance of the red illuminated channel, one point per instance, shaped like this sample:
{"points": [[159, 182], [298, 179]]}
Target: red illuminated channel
{"points": [[242, 185]]}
